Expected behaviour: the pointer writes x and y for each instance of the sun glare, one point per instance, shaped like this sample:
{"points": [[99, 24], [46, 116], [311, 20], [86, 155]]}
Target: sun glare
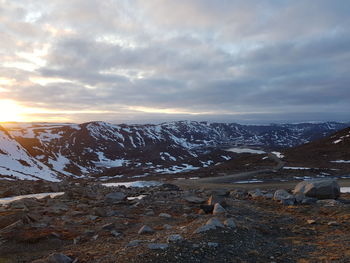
{"points": [[11, 111]]}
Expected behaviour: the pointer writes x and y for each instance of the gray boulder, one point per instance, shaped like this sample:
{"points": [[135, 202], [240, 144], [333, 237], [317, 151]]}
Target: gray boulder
{"points": [[218, 209], [318, 188], [145, 230], [212, 223], [158, 246], [282, 194], [175, 238]]}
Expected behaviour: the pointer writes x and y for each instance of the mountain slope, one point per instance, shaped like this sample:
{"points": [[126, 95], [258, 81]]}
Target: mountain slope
{"points": [[139, 150], [332, 151], [16, 162]]}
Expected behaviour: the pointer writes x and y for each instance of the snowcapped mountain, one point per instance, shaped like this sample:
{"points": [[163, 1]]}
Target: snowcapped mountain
{"points": [[16, 162], [139, 150]]}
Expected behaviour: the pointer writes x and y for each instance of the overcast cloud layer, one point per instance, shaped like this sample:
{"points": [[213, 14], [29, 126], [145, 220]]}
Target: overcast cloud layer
{"points": [[138, 60]]}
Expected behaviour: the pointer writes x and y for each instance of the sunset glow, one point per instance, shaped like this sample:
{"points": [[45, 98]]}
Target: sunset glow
{"points": [[11, 111]]}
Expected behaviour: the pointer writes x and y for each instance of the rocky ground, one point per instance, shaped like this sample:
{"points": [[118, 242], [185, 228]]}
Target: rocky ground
{"points": [[93, 223]]}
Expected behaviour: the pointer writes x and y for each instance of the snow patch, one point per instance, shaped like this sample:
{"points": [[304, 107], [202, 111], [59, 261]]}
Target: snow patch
{"points": [[7, 200], [245, 150]]}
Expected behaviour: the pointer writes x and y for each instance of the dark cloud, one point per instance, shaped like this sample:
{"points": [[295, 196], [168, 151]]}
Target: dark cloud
{"points": [[224, 60]]}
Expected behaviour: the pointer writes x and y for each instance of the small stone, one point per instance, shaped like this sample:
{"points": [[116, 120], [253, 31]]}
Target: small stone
{"points": [[115, 233], [109, 226], [255, 193], [149, 213], [333, 223], [165, 215], [212, 223], [145, 230], [134, 243], [311, 221], [213, 244], [158, 246], [167, 227], [175, 238], [218, 209], [230, 223]]}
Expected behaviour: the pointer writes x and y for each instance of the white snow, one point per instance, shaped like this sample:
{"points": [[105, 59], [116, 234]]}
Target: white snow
{"points": [[16, 161], [7, 200], [60, 163], [105, 162], [134, 184], [176, 169], [345, 190], [297, 168], [245, 150], [139, 197], [249, 181], [278, 154], [337, 141], [341, 161]]}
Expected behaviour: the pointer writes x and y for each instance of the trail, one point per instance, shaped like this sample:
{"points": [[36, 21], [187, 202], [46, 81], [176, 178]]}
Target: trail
{"points": [[229, 178]]}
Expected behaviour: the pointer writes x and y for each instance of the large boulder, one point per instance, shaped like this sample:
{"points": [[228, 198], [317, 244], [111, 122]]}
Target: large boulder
{"points": [[318, 188]]}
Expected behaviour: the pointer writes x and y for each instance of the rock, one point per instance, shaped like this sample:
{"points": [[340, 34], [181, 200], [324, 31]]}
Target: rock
{"points": [[165, 215], [333, 223], [157, 246], [282, 194], [288, 202], [175, 238], [212, 223], [215, 199], [213, 244], [255, 193], [134, 243], [109, 226], [59, 258], [319, 188], [299, 197], [150, 213], [218, 209], [115, 233], [268, 196], [194, 199], [115, 197], [145, 230], [167, 227], [230, 223], [311, 221], [309, 201]]}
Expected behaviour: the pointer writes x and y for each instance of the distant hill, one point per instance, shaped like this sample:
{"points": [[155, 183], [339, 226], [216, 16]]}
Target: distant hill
{"points": [[89, 149]]}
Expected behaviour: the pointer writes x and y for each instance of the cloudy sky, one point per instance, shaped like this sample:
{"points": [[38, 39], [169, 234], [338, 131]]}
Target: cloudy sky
{"points": [[157, 60]]}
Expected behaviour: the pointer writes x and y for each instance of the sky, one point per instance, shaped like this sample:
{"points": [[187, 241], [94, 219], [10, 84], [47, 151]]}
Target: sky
{"points": [[138, 61]]}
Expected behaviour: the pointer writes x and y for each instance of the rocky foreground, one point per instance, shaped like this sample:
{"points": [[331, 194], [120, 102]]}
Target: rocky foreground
{"points": [[93, 223]]}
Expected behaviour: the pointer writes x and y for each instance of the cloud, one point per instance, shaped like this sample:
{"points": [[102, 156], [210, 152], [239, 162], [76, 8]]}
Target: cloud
{"points": [[214, 59]]}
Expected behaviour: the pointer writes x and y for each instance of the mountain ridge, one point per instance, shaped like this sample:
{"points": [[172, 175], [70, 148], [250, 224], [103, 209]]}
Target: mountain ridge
{"points": [[76, 150]]}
